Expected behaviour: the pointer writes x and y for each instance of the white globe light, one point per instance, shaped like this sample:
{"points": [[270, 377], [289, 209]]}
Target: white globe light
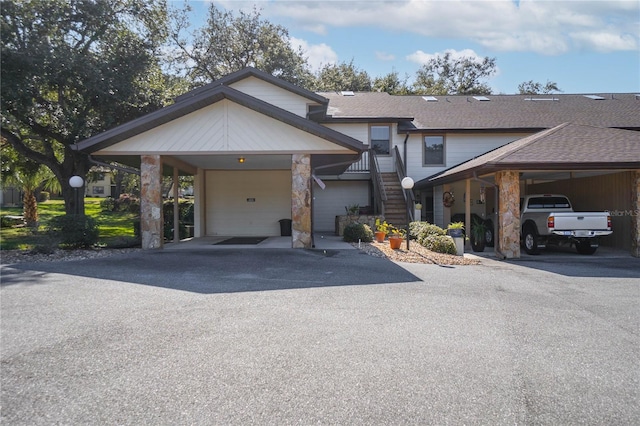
{"points": [[407, 183], [76, 181]]}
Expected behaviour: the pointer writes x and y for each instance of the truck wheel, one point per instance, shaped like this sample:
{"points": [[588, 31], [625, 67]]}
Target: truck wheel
{"points": [[530, 239], [488, 236], [584, 247]]}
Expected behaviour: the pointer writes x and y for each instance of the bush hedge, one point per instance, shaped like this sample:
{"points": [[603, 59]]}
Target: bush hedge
{"points": [[73, 231], [439, 244], [355, 232]]}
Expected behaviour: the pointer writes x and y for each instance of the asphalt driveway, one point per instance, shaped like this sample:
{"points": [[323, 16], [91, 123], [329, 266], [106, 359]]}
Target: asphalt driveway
{"points": [[335, 337]]}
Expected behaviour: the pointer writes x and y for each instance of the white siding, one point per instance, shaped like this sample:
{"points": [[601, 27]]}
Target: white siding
{"points": [[273, 94], [224, 127], [228, 212], [458, 149], [359, 131], [330, 202]]}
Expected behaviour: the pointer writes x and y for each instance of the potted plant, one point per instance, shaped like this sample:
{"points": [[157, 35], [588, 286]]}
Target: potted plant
{"points": [[396, 236], [382, 229], [455, 229], [478, 235]]}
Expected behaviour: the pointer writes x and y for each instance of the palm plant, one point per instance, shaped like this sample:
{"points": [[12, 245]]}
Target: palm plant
{"points": [[29, 176]]}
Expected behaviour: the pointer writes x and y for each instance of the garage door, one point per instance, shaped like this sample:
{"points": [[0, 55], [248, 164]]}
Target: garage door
{"points": [[247, 203], [330, 202]]}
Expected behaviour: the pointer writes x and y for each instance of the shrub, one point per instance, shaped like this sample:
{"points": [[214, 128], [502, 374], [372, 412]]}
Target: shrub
{"points": [[185, 211], [127, 202], [44, 196], [440, 244], [108, 204], [355, 232], [74, 231], [421, 230]]}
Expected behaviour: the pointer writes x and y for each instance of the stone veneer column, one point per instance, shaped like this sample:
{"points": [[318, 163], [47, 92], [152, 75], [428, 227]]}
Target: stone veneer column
{"points": [[509, 213], [635, 217], [301, 201], [151, 202]]}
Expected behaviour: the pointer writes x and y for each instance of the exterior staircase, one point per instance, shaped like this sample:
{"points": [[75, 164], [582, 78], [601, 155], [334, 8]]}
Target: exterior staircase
{"points": [[395, 207]]}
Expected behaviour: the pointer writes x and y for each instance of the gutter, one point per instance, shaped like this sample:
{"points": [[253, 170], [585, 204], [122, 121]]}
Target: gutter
{"points": [[496, 241]]}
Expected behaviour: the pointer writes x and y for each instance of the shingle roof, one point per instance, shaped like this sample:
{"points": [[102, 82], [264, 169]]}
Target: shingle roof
{"points": [[567, 147], [500, 112]]}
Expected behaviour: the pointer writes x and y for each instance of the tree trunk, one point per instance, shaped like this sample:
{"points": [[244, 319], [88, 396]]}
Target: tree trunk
{"points": [[30, 209]]}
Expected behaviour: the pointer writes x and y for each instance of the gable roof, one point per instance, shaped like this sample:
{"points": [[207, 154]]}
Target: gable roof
{"points": [[203, 99], [497, 113], [253, 72], [564, 147]]}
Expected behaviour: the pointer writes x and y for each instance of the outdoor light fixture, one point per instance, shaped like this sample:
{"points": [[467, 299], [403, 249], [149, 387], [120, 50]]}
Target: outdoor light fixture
{"points": [[76, 182], [407, 185], [241, 160]]}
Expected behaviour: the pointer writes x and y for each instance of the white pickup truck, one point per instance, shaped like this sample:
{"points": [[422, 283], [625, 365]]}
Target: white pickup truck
{"points": [[549, 219]]}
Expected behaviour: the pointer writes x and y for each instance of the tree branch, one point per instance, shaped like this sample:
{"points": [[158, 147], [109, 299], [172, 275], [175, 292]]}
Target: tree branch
{"points": [[17, 144]]}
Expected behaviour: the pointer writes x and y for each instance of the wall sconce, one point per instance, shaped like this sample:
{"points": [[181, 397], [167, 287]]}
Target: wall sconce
{"points": [[241, 160]]}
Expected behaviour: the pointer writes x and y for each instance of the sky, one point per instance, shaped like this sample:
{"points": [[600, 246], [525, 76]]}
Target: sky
{"points": [[583, 46]]}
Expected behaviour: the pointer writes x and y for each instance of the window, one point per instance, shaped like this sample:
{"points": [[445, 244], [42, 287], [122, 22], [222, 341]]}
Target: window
{"points": [[434, 150], [380, 139], [98, 190]]}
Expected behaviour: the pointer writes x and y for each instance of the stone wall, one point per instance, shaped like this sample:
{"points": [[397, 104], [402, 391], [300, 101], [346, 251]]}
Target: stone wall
{"points": [[509, 213], [151, 225], [301, 201]]}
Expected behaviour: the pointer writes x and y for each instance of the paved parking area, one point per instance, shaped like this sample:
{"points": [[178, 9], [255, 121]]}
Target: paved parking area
{"points": [[324, 336]]}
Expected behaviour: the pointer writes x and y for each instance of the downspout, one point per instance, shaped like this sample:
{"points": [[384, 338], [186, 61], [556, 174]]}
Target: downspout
{"points": [[496, 205], [406, 165], [113, 166]]}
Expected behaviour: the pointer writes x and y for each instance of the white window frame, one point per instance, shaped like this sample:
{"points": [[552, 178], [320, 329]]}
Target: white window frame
{"points": [[388, 126], [424, 150]]}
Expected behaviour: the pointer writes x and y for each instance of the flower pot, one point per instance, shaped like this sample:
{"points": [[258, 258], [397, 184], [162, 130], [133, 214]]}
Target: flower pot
{"points": [[395, 242], [455, 233], [380, 236]]}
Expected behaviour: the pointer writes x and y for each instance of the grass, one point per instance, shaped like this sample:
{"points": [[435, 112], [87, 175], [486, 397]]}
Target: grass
{"points": [[116, 228]]}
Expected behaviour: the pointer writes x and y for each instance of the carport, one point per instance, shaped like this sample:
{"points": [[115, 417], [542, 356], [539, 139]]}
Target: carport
{"points": [[250, 146], [597, 168]]}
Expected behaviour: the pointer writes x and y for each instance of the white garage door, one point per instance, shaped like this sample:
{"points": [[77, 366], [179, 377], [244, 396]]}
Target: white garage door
{"points": [[330, 202], [247, 203]]}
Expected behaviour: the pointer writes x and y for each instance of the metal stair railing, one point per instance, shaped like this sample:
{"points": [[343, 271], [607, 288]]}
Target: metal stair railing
{"points": [[409, 196], [379, 193]]}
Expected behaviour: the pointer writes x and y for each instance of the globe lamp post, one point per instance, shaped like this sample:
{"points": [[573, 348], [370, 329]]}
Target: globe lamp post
{"points": [[76, 182], [407, 185]]}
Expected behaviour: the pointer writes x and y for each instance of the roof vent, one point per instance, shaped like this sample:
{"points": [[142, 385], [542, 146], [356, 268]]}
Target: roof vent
{"points": [[430, 98], [553, 99], [347, 93], [594, 97], [481, 98]]}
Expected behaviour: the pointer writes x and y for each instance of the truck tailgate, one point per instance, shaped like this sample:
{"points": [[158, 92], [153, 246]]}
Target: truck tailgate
{"points": [[580, 221]]}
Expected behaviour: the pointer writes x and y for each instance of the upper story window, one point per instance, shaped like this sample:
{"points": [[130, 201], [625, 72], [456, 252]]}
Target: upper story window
{"points": [[380, 139], [434, 150]]}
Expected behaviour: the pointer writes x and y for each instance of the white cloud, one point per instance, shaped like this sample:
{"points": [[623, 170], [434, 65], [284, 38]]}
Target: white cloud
{"points": [[384, 56], [421, 58], [317, 55], [545, 27]]}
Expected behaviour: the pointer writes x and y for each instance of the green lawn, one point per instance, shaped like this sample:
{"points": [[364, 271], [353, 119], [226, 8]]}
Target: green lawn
{"points": [[116, 229]]}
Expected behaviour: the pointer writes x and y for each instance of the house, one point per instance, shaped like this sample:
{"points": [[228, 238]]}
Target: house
{"points": [[99, 185], [262, 150]]}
